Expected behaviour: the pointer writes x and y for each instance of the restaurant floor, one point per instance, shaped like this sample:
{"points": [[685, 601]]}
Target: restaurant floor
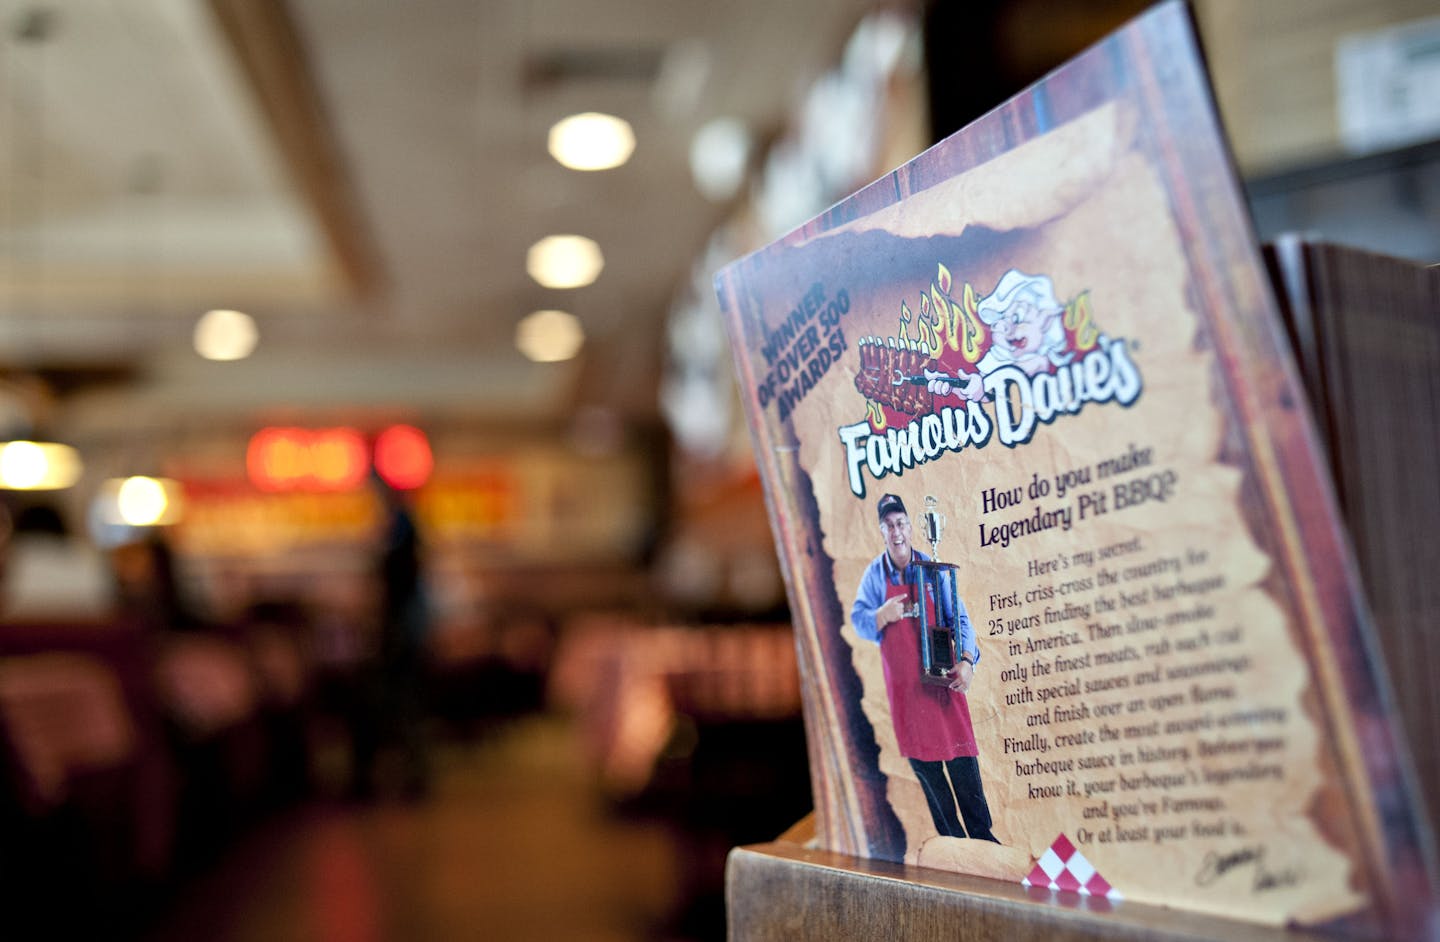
{"points": [[512, 842]]}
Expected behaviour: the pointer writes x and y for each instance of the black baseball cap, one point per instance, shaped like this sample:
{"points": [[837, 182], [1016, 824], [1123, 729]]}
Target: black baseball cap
{"points": [[890, 504]]}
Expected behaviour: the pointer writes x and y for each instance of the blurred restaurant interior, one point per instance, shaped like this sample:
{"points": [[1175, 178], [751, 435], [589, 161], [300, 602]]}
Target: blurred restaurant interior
{"points": [[384, 552]]}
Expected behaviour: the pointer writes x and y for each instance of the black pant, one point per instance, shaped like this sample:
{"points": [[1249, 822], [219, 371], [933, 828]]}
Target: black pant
{"points": [[963, 788]]}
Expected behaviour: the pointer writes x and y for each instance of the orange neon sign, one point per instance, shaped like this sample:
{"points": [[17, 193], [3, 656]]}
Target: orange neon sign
{"points": [[290, 459]]}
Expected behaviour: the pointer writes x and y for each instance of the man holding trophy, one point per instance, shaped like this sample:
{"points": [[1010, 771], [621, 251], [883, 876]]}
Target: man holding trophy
{"points": [[908, 603]]}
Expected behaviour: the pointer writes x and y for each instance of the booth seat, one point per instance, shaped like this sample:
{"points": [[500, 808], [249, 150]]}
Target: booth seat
{"points": [[129, 757], [88, 783]]}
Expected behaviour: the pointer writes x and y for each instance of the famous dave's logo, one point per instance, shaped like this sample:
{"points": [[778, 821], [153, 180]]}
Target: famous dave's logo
{"points": [[1019, 349]]}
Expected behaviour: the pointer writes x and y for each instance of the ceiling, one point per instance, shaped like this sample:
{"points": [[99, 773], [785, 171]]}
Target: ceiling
{"points": [[364, 178]]}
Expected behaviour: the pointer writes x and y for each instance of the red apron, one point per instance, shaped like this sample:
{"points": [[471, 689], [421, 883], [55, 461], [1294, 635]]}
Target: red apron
{"points": [[931, 722]]}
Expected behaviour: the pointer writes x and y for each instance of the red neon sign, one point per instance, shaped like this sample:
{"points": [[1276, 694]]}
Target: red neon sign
{"points": [[403, 458]]}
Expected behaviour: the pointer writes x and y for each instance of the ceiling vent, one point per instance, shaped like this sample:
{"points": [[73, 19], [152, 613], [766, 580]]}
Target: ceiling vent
{"points": [[554, 68]]}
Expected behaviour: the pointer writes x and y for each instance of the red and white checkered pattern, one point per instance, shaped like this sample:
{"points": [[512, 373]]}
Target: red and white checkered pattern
{"points": [[1062, 867]]}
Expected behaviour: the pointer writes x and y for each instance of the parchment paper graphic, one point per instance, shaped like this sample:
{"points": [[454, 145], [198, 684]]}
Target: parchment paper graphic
{"points": [[1242, 846]]}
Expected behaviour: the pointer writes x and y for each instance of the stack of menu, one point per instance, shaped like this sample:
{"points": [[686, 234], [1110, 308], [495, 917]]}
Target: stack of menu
{"points": [[1366, 332]]}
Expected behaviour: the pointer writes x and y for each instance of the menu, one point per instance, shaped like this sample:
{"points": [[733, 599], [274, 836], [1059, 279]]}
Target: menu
{"points": [[1072, 601]]}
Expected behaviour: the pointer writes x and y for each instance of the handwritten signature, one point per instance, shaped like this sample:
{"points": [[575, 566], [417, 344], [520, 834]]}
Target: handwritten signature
{"points": [[1216, 865]]}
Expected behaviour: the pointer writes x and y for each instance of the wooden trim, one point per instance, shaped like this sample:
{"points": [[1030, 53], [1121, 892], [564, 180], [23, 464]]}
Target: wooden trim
{"points": [[272, 55], [785, 892]]}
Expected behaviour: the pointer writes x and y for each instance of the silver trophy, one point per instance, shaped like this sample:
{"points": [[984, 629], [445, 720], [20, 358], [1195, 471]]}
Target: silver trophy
{"points": [[933, 523], [937, 601]]}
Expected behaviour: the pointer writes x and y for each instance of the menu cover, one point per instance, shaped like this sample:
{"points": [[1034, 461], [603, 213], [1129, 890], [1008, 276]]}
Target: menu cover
{"points": [[1364, 328], [1073, 604]]}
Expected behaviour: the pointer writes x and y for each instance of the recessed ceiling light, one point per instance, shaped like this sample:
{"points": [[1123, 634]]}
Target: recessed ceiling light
{"points": [[564, 261], [719, 153], [225, 335], [550, 336], [592, 141]]}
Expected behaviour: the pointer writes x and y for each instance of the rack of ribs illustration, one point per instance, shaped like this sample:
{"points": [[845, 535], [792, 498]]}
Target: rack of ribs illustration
{"points": [[893, 374]]}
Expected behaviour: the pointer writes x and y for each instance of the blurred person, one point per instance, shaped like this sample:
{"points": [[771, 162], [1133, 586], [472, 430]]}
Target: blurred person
{"points": [[397, 674], [932, 723], [148, 586], [273, 634]]}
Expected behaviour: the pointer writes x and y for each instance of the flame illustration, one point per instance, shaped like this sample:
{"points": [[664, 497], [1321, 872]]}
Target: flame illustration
{"points": [[876, 415], [929, 338], [922, 325], [944, 320], [957, 322], [974, 332], [1079, 324]]}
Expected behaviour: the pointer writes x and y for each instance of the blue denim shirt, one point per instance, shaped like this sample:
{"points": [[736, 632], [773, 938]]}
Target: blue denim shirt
{"points": [[871, 595]]}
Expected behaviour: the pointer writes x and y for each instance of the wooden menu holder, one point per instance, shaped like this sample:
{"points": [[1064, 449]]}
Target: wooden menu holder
{"points": [[786, 890]]}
